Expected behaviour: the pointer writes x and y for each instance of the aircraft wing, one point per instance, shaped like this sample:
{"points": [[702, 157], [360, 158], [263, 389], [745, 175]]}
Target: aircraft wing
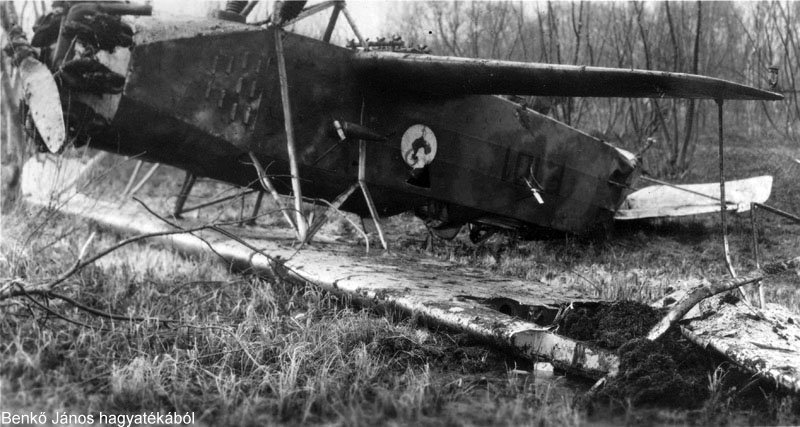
{"points": [[453, 75]]}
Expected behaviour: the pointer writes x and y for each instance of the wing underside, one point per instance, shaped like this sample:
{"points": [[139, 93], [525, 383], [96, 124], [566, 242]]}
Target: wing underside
{"points": [[452, 75]]}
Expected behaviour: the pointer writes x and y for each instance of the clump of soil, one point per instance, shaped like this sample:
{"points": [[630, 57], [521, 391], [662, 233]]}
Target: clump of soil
{"points": [[611, 325], [669, 372]]}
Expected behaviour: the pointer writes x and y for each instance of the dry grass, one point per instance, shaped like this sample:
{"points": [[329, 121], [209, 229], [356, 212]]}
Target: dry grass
{"points": [[245, 351], [240, 350]]}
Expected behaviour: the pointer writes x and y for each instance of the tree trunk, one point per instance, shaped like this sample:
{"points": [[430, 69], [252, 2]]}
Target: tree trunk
{"points": [[682, 160]]}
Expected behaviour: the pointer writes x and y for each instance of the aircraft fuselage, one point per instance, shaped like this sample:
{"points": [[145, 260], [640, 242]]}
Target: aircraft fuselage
{"points": [[200, 95]]}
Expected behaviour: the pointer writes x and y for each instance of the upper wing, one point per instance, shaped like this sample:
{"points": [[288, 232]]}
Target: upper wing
{"points": [[453, 75]]}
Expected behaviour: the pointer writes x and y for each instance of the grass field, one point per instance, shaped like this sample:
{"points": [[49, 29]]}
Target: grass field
{"points": [[239, 350], [246, 351]]}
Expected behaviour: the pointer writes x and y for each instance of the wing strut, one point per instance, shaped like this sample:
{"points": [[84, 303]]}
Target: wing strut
{"points": [[303, 230], [301, 225], [753, 207], [362, 182], [723, 206]]}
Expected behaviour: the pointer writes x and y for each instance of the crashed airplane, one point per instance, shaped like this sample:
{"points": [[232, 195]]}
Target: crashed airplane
{"points": [[283, 114], [415, 132]]}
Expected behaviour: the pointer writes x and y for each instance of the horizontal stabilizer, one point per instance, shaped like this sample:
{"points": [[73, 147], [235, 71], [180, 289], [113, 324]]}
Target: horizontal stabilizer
{"points": [[692, 199], [453, 75]]}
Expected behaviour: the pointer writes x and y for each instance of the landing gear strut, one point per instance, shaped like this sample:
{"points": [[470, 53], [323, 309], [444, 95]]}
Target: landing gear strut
{"points": [[186, 188]]}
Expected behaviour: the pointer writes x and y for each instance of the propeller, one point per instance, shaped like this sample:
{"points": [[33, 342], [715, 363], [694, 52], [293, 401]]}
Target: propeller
{"points": [[38, 84]]}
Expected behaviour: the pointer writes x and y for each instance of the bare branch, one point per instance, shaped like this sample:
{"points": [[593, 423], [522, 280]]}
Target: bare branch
{"points": [[21, 291], [700, 293], [79, 265]]}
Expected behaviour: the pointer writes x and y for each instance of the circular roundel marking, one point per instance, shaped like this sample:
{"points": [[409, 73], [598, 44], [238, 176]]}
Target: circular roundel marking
{"points": [[418, 146]]}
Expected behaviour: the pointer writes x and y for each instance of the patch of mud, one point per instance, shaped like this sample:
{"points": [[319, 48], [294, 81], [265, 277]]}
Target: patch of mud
{"points": [[611, 325], [669, 372]]}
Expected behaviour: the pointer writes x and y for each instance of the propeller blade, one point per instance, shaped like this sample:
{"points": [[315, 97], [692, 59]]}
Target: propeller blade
{"points": [[44, 102], [38, 84]]}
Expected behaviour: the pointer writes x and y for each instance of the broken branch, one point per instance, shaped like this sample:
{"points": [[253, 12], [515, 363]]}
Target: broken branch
{"points": [[79, 265], [700, 293], [21, 291], [85, 246]]}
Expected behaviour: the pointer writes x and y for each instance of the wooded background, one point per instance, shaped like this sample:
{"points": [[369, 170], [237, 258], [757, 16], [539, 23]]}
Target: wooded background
{"points": [[738, 41]]}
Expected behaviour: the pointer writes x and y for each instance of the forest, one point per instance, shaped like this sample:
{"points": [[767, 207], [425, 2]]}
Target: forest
{"points": [[754, 43]]}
